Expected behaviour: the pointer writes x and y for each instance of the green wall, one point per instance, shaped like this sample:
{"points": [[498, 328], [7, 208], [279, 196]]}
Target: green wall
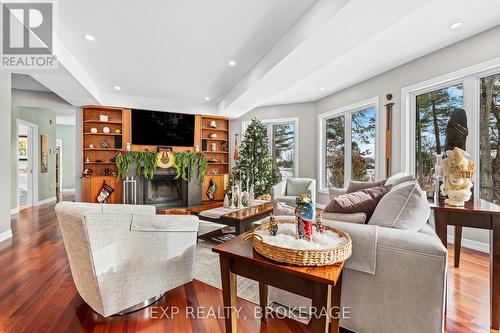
{"points": [[46, 121], [66, 133]]}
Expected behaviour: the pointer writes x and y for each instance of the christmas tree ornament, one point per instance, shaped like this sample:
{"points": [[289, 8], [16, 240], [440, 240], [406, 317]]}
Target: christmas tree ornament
{"points": [[226, 201], [273, 225]]}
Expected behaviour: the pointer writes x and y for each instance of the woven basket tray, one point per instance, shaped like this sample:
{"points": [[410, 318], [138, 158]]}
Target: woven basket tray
{"points": [[302, 257]]}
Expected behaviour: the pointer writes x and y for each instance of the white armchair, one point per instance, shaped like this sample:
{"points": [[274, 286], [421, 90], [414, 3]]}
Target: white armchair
{"points": [[288, 189], [123, 255]]}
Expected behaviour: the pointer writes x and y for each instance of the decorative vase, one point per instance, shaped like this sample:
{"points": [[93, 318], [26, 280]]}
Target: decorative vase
{"points": [[213, 124]]}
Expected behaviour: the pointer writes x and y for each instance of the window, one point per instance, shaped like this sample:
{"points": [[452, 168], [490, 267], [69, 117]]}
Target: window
{"points": [[283, 148], [348, 144], [283, 143], [489, 125], [433, 110], [426, 108]]}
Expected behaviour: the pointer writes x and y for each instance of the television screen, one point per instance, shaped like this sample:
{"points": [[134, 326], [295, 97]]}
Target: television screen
{"points": [[162, 128]]}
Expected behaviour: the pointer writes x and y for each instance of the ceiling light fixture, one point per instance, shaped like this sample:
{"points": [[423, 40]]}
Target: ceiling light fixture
{"points": [[232, 63], [117, 87], [207, 98], [322, 88], [89, 38], [455, 25]]}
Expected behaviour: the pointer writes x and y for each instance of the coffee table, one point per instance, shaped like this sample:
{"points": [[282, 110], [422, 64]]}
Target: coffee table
{"points": [[241, 219], [237, 257]]}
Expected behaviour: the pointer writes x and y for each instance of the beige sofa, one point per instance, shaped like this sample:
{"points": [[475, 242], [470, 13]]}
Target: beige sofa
{"points": [[395, 279], [123, 255]]}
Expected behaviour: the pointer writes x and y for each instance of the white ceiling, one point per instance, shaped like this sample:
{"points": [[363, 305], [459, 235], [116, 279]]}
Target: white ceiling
{"points": [[169, 55]]}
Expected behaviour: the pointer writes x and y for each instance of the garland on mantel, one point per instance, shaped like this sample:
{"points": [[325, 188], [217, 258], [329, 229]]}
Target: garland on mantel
{"points": [[146, 163]]}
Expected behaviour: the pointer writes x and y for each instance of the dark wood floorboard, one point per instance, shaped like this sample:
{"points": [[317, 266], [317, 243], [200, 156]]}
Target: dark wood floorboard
{"points": [[37, 293]]}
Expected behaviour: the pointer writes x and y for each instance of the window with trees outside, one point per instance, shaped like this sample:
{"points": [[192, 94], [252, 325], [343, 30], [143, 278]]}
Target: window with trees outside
{"points": [[282, 136], [350, 147], [489, 148], [433, 112]]}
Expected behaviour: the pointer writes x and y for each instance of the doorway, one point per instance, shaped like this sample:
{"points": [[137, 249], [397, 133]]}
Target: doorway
{"points": [[27, 167]]}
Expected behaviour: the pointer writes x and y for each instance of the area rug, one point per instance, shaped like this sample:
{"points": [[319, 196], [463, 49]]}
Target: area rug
{"points": [[207, 269]]}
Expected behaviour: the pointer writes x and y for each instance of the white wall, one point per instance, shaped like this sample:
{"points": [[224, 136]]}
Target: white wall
{"points": [[5, 133], [306, 113]]}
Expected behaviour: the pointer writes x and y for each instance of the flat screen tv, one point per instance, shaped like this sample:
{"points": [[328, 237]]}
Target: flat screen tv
{"points": [[156, 128]]}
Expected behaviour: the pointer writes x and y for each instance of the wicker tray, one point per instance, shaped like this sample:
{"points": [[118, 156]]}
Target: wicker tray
{"points": [[302, 257]]}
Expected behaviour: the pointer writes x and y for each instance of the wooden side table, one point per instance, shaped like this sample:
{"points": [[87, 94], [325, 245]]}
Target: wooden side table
{"points": [[479, 214], [237, 257]]}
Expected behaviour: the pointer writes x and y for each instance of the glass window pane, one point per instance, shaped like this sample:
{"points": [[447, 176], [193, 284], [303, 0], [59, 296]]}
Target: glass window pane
{"points": [[488, 144], [283, 150], [433, 112], [363, 145], [335, 145]]}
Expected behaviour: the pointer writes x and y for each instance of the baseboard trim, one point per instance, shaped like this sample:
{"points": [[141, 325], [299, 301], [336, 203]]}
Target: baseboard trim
{"points": [[64, 190], [5, 235], [14, 211], [471, 244], [46, 201]]}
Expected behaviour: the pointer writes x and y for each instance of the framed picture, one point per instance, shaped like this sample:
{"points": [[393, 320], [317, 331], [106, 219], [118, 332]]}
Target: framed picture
{"points": [[23, 148], [44, 154]]}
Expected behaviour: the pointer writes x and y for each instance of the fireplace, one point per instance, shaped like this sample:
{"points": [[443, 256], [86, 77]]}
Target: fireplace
{"points": [[163, 191]]}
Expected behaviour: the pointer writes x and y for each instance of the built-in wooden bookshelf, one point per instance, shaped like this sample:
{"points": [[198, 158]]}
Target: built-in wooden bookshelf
{"points": [[100, 149], [211, 141], [215, 147]]}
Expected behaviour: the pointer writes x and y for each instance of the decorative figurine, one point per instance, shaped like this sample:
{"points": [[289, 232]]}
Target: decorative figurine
{"points": [[239, 196], [233, 197], [91, 146], [319, 223], [226, 201], [273, 225], [456, 130], [213, 124], [104, 144], [457, 172], [304, 213]]}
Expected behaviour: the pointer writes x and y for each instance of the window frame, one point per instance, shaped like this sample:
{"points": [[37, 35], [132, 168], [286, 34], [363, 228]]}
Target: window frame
{"points": [[470, 78], [347, 112], [280, 121]]}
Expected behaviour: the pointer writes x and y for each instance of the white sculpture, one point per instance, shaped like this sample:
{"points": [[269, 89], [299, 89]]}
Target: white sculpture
{"points": [[226, 201], [239, 196], [457, 172], [251, 196], [233, 197]]}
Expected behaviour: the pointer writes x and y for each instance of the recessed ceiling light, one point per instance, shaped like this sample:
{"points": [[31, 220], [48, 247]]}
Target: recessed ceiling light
{"points": [[322, 88], [117, 87], [89, 38], [455, 25], [207, 98], [232, 63]]}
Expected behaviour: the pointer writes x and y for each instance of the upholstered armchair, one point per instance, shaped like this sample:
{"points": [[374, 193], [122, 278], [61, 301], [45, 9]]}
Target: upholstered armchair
{"points": [[287, 190], [124, 255]]}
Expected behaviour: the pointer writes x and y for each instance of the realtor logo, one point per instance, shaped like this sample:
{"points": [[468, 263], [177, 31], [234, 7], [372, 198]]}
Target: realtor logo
{"points": [[27, 35]]}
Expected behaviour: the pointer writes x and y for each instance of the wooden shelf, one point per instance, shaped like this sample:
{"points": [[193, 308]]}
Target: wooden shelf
{"points": [[102, 122], [215, 129], [223, 163], [216, 152], [209, 139], [103, 134], [101, 149]]}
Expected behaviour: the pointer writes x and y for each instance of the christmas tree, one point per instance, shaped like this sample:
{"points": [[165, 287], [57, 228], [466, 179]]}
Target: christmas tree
{"points": [[254, 164]]}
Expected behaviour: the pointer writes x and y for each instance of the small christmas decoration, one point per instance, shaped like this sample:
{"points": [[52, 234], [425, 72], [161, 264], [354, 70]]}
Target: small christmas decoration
{"points": [[273, 225], [226, 201], [319, 223], [106, 191], [104, 144], [304, 215]]}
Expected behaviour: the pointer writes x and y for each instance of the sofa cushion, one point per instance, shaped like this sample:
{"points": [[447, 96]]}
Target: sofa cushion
{"points": [[296, 186], [404, 207], [351, 218], [398, 178], [355, 185], [363, 201]]}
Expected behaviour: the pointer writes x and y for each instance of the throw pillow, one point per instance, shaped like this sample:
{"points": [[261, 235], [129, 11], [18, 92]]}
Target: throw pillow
{"points": [[398, 178], [355, 185], [281, 208], [363, 201], [404, 207]]}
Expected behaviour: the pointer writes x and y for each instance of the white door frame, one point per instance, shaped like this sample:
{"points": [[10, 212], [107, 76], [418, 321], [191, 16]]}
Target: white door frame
{"points": [[33, 142], [59, 143]]}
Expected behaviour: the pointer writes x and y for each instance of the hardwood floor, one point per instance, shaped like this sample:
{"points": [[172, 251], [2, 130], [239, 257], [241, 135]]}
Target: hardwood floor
{"points": [[37, 293]]}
